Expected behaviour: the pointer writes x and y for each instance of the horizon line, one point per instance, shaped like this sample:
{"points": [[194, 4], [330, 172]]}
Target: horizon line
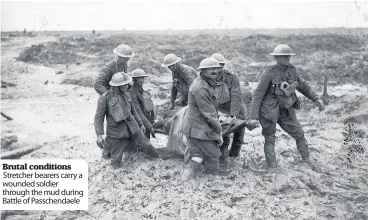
{"points": [[184, 30]]}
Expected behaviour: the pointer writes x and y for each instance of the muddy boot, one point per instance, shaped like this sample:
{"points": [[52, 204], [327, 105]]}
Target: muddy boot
{"points": [[269, 150], [302, 145], [191, 171], [212, 166], [115, 164]]}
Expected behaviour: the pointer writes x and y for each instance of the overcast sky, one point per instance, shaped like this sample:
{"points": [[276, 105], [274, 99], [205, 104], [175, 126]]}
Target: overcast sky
{"points": [[180, 14]]}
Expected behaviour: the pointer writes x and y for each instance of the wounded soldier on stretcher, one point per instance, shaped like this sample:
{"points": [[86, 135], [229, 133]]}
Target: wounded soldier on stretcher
{"points": [[177, 143]]}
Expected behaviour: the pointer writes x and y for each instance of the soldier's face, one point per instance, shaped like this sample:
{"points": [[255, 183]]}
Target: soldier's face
{"points": [[220, 70], [122, 60], [173, 67], [284, 60], [139, 81], [123, 88], [210, 73]]}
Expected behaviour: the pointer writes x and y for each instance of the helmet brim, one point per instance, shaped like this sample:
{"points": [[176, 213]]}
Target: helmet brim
{"points": [[122, 55], [172, 63], [282, 54], [140, 76], [207, 67], [129, 80]]}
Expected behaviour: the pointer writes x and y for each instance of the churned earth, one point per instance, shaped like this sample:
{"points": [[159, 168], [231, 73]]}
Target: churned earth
{"points": [[56, 111]]}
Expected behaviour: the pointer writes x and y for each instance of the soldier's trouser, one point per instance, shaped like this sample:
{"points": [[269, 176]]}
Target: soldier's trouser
{"points": [[235, 146], [137, 141], [224, 147], [237, 142], [106, 153], [203, 148], [292, 127], [238, 136], [116, 146]]}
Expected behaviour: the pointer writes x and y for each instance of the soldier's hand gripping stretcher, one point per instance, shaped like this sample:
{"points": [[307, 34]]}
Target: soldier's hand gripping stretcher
{"points": [[152, 132], [231, 124]]}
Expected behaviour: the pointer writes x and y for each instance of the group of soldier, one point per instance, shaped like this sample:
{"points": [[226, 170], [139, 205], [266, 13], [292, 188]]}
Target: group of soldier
{"points": [[130, 115]]}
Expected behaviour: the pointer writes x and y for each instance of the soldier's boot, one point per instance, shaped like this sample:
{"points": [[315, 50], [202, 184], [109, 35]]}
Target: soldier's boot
{"points": [[191, 171], [303, 148], [269, 150], [115, 164], [237, 143], [224, 158], [212, 166]]}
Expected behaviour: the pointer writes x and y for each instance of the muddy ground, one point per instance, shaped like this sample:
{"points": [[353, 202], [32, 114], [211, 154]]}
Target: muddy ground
{"points": [[55, 111]]}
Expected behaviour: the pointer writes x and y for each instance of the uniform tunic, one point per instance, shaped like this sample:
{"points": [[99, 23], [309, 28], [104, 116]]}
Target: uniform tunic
{"points": [[108, 70], [200, 124], [183, 77]]}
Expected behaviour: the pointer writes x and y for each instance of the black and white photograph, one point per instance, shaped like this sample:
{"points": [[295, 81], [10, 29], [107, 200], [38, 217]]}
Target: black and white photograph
{"points": [[186, 109]]}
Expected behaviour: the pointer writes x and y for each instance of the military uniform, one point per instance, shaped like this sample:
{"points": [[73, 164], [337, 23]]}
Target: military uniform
{"points": [[108, 70], [271, 107], [123, 125], [231, 103], [200, 124], [182, 79], [144, 107]]}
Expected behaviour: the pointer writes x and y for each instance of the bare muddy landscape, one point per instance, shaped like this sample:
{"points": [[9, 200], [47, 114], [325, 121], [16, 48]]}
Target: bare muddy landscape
{"points": [[47, 89]]}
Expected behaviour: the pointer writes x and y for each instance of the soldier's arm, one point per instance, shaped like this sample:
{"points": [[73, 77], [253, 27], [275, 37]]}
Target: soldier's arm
{"points": [[135, 114], [137, 106], [100, 115], [174, 93], [102, 78], [235, 96], [259, 93], [304, 88], [207, 109]]}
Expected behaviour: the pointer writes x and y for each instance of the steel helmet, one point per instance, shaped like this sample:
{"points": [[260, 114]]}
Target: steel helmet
{"points": [[209, 63], [138, 73], [170, 59], [282, 50], [120, 79], [124, 50], [219, 57]]}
